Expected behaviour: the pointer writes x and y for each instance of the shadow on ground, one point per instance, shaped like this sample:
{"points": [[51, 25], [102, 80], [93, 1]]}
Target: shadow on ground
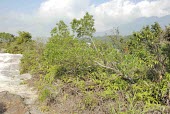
{"points": [[2, 108]]}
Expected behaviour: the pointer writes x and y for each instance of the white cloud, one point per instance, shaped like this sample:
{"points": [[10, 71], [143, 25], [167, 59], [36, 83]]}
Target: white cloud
{"points": [[63, 9], [116, 12], [107, 15], [154, 8]]}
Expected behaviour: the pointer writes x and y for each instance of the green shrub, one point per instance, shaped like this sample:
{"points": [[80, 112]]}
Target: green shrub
{"points": [[72, 57], [131, 76], [31, 60]]}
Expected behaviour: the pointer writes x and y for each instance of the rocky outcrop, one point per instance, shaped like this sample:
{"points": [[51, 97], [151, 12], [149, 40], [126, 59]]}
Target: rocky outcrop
{"points": [[12, 104], [16, 97]]}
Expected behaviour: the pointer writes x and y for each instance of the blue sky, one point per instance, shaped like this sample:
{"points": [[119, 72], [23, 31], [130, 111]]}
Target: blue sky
{"points": [[30, 5], [20, 5], [12, 4], [39, 16]]}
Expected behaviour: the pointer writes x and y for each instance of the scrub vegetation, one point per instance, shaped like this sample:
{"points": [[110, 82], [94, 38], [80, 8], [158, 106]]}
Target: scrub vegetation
{"points": [[77, 73]]}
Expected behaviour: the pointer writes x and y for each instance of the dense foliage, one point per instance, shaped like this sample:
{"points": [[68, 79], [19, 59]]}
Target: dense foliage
{"points": [[6, 37], [121, 75], [16, 44]]}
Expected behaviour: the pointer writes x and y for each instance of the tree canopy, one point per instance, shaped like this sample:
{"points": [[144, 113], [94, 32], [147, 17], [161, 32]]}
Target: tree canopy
{"points": [[6, 37], [83, 27]]}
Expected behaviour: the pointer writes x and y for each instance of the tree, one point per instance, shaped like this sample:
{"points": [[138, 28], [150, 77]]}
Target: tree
{"points": [[83, 27], [150, 40], [60, 30], [23, 37], [6, 37], [167, 46], [167, 33]]}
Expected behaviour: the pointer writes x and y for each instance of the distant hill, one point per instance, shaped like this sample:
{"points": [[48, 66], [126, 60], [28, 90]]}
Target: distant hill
{"points": [[127, 29]]}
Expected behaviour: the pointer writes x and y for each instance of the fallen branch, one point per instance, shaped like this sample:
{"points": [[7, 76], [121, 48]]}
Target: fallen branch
{"points": [[111, 68]]}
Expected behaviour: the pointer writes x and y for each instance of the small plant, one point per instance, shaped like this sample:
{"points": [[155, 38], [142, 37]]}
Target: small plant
{"points": [[23, 82], [44, 94]]}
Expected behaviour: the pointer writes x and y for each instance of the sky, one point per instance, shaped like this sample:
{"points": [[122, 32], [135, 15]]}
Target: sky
{"points": [[40, 16]]}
